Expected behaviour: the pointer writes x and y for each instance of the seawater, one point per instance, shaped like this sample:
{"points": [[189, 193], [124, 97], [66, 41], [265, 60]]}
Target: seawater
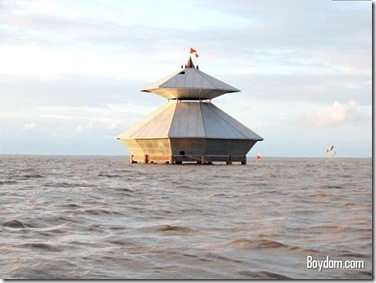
{"points": [[103, 218]]}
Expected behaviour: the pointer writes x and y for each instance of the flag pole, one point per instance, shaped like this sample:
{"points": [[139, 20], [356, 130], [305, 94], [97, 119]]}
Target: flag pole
{"points": [[193, 51]]}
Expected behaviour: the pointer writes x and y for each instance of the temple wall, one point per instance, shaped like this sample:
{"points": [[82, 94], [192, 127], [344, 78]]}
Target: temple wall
{"points": [[179, 150]]}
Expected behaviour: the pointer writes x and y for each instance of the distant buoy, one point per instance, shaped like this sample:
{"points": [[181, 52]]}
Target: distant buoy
{"points": [[258, 157]]}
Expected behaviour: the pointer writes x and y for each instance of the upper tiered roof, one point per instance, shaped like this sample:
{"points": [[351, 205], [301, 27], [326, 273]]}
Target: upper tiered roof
{"points": [[189, 83]]}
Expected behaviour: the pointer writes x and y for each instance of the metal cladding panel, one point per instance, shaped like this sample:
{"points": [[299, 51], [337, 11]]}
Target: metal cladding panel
{"points": [[156, 124], [188, 121], [188, 78], [156, 85], [159, 126], [219, 84], [216, 127], [247, 133]]}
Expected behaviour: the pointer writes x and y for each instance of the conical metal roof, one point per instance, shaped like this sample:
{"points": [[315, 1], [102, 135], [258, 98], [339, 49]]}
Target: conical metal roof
{"points": [[189, 120], [189, 83]]}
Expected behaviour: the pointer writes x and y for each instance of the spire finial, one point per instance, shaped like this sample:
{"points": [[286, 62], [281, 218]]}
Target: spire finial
{"points": [[190, 63]]}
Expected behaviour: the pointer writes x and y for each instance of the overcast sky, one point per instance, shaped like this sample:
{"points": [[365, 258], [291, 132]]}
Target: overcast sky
{"points": [[71, 71]]}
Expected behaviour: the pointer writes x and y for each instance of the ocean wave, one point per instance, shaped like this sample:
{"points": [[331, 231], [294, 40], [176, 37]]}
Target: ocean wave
{"points": [[97, 211], [69, 185], [340, 228], [70, 205], [334, 187], [170, 228], [263, 275], [320, 194], [144, 250], [16, 224], [214, 195], [350, 254], [7, 182], [265, 244], [108, 175], [25, 176], [40, 246], [254, 244], [124, 190]]}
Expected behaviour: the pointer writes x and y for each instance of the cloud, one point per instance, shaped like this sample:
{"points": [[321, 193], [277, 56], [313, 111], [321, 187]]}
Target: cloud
{"points": [[84, 128], [29, 126], [334, 115], [113, 125]]}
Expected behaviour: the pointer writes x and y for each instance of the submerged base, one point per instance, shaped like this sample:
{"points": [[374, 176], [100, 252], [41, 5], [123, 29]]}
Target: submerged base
{"points": [[180, 159]]}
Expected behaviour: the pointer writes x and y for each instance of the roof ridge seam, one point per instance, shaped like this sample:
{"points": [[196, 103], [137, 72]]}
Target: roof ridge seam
{"points": [[172, 120], [220, 81], [199, 72], [147, 121], [202, 119]]}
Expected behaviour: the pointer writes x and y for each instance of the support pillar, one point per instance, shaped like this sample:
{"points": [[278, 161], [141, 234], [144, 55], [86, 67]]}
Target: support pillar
{"points": [[229, 161], [131, 161], [203, 159]]}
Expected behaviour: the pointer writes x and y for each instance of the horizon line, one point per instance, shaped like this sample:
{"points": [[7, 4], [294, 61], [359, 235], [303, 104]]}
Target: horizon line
{"points": [[119, 155]]}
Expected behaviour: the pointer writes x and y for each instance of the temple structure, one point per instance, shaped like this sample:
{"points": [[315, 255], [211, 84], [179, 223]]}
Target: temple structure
{"points": [[188, 128]]}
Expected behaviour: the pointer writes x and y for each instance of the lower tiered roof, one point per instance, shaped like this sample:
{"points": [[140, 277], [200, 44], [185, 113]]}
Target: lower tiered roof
{"points": [[189, 119]]}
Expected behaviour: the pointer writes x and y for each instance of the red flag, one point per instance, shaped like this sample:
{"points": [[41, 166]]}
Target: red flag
{"points": [[197, 55], [192, 51]]}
